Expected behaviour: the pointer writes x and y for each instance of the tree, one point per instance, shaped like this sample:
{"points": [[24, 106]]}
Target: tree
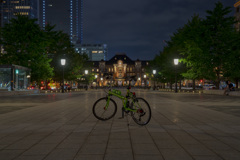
{"points": [[219, 32], [231, 67], [61, 47], [25, 42]]}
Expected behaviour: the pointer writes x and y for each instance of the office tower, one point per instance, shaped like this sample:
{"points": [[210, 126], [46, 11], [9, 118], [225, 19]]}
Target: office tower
{"points": [[10, 8], [95, 52], [237, 14], [66, 15]]}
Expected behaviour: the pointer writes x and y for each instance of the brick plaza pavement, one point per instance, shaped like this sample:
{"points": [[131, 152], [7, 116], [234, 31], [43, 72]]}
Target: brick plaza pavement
{"points": [[183, 127]]}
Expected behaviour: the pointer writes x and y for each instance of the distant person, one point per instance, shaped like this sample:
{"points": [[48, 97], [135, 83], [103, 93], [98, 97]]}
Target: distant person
{"points": [[228, 88]]}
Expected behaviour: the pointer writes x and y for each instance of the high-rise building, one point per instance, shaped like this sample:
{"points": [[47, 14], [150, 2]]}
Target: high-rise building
{"points": [[237, 14], [70, 19], [10, 8], [95, 52], [1, 1]]}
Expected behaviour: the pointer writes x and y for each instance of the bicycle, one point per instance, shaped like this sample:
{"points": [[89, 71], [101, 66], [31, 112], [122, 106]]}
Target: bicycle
{"points": [[105, 108]]}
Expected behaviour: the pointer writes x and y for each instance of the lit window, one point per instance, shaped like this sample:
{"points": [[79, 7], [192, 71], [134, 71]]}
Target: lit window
{"points": [[14, 1], [92, 70], [97, 70], [100, 51], [94, 51], [22, 7]]}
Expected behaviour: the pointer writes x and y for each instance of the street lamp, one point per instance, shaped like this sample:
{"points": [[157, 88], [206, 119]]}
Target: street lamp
{"points": [[101, 81], [86, 71], [175, 63], [154, 72], [96, 80], [139, 81], [145, 76], [63, 62]]}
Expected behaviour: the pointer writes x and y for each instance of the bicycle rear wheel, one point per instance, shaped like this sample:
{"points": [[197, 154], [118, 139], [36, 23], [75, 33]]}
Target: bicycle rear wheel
{"points": [[103, 110], [143, 114]]}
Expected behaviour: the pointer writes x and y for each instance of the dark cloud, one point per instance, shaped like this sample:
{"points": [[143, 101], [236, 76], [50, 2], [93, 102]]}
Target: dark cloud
{"points": [[139, 27]]}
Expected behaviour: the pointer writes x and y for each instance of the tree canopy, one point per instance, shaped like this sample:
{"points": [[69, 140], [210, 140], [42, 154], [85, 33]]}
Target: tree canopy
{"points": [[207, 48], [26, 44]]}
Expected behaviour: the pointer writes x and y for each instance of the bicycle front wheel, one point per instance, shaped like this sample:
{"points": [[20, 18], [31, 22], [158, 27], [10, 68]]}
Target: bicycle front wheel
{"points": [[104, 109], [143, 111]]}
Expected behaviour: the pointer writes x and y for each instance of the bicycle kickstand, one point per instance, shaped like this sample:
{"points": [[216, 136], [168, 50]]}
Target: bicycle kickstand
{"points": [[128, 121], [123, 110]]}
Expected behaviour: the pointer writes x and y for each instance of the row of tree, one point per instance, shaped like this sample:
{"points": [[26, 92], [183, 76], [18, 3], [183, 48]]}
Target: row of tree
{"points": [[207, 48], [26, 44]]}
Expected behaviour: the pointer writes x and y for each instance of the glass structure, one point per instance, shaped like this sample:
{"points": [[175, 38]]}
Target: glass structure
{"points": [[14, 77]]}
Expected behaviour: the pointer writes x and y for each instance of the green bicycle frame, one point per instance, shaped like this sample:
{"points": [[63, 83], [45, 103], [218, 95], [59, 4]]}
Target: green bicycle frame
{"points": [[124, 100]]}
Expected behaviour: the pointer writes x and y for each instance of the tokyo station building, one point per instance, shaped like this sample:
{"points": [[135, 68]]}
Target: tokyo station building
{"points": [[121, 67]]}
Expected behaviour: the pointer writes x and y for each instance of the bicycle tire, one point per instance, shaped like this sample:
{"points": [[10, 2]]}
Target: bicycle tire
{"points": [[143, 111], [100, 104]]}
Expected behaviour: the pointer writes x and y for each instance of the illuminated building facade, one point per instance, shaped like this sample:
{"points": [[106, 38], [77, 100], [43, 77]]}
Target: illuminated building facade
{"points": [[237, 14], [10, 8], [121, 67]]}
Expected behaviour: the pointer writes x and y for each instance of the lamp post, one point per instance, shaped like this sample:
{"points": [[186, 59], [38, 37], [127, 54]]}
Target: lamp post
{"points": [[86, 73], [154, 72], [175, 63], [96, 80], [145, 76], [63, 62], [102, 81]]}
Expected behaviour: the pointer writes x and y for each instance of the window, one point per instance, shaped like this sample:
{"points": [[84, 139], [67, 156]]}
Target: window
{"points": [[22, 7], [94, 51], [100, 51], [21, 13], [92, 70]]}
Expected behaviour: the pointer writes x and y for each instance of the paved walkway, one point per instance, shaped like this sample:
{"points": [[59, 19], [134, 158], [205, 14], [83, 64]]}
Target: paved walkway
{"points": [[67, 130]]}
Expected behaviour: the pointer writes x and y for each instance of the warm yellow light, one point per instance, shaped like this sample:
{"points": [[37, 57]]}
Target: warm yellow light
{"points": [[237, 4]]}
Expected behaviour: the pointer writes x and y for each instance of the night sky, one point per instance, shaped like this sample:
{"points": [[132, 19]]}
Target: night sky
{"points": [[135, 27]]}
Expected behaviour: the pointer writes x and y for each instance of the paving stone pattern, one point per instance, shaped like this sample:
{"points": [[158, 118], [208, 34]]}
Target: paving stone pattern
{"points": [[67, 130]]}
